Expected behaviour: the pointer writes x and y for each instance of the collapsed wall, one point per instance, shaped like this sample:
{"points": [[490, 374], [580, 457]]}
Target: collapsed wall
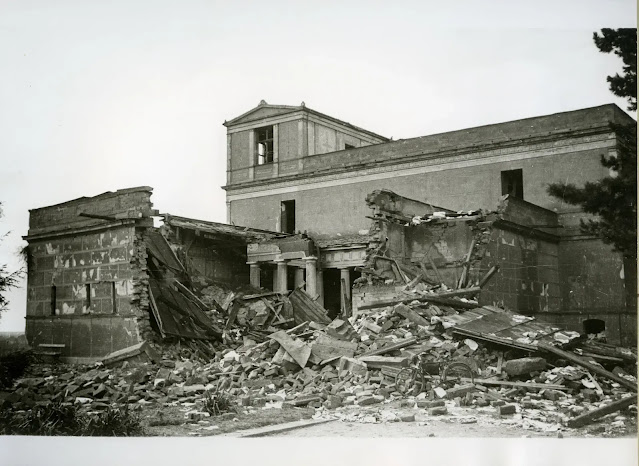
{"points": [[457, 250]]}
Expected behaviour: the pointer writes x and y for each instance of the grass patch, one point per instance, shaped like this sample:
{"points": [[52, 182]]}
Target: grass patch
{"points": [[67, 419], [170, 421]]}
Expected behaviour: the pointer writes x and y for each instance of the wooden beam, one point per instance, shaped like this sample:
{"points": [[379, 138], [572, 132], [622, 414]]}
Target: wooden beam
{"points": [[590, 416], [388, 348], [466, 266], [591, 367], [436, 298]]}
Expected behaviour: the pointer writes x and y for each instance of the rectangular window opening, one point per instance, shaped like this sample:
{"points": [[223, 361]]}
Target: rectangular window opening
{"points": [[512, 183], [288, 217], [53, 299], [87, 299], [264, 145], [114, 300]]}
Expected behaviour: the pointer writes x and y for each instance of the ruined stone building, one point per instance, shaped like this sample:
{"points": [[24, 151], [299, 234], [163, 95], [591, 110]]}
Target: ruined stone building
{"points": [[292, 169], [318, 203], [101, 278]]}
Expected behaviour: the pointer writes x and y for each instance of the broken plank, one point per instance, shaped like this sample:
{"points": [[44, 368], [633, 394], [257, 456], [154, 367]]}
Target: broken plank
{"points": [[507, 383], [493, 270], [463, 292], [307, 310], [591, 367], [392, 347], [466, 266], [613, 407], [377, 362]]}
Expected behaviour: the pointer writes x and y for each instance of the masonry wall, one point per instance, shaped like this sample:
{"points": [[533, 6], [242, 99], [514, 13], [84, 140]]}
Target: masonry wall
{"points": [[87, 281], [584, 262], [89, 325], [341, 207], [528, 278]]}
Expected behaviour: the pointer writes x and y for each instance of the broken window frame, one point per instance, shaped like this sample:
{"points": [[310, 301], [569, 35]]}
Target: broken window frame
{"points": [[264, 145]]}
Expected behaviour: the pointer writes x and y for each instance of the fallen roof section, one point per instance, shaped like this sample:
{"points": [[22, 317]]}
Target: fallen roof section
{"points": [[202, 226]]}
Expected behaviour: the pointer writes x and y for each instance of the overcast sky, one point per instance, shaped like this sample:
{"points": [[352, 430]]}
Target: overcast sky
{"points": [[96, 96]]}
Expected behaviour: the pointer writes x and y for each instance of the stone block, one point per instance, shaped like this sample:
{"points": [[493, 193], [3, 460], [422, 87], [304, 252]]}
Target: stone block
{"points": [[370, 400], [437, 411], [524, 366], [554, 395], [459, 391], [507, 409], [352, 366]]}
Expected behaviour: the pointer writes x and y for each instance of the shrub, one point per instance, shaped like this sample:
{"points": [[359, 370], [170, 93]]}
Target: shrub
{"points": [[67, 419], [218, 402], [13, 365]]}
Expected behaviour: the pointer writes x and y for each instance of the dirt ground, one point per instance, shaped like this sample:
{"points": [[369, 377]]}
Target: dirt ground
{"points": [[459, 422]]}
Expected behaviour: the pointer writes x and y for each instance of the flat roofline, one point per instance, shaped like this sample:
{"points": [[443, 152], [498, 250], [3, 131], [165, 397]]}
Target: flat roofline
{"points": [[99, 196]]}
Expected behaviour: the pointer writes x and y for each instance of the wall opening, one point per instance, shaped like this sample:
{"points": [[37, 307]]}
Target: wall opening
{"points": [[87, 298], [332, 290], [114, 300], [264, 145], [348, 146], [267, 272], [53, 299], [288, 217], [594, 326], [512, 183]]}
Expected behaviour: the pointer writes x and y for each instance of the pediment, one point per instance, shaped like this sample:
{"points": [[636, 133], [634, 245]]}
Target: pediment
{"points": [[261, 111]]}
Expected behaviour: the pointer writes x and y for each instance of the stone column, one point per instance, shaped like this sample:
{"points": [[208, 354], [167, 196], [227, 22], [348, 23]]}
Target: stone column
{"points": [[282, 268], [299, 276], [345, 286], [320, 286], [311, 276], [254, 274]]}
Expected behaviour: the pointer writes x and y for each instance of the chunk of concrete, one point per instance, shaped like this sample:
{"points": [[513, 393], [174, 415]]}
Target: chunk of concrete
{"points": [[524, 366]]}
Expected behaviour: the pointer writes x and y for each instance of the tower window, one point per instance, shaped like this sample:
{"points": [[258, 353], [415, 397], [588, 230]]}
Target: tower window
{"points": [[264, 145], [512, 183]]}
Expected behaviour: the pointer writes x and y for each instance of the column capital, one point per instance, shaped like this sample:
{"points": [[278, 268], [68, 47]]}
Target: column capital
{"points": [[310, 258], [253, 263], [280, 261]]}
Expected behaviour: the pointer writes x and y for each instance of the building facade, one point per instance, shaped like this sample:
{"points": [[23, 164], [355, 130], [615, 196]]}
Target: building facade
{"points": [[318, 171]]}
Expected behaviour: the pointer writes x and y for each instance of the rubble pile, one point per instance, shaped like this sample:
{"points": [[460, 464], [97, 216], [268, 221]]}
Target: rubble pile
{"points": [[348, 369]]}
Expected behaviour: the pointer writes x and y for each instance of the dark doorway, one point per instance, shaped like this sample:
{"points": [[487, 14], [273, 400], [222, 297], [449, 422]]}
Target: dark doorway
{"points": [[288, 217], [332, 291]]}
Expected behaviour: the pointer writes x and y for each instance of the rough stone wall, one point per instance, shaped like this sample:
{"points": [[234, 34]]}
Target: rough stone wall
{"points": [[592, 284], [528, 279], [98, 263], [86, 285]]}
